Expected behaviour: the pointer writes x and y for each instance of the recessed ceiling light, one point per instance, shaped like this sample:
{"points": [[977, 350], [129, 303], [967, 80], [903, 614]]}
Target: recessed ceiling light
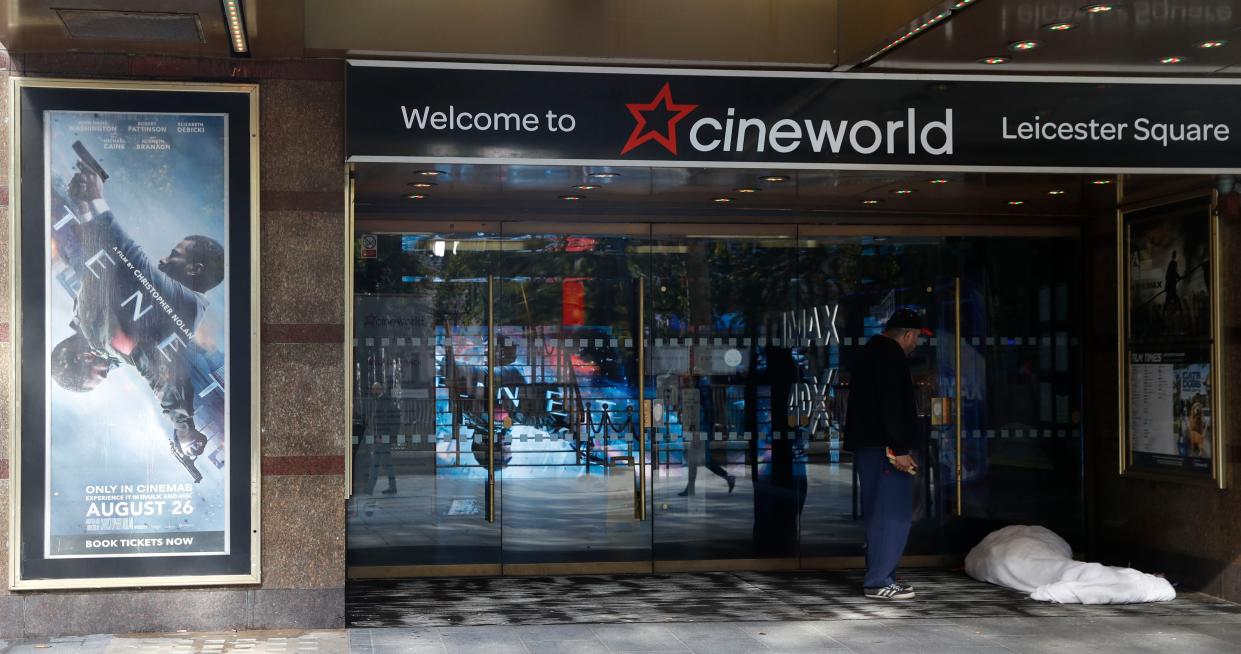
{"points": [[1023, 46], [416, 196], [570, 198], [430, 173], [586, 187], [1207, 45], [722, 200], [1056, 191], [1098, 9], [421, 184], [992, 61], [937, 180], [903, 191], [1172, 59], [871, 201], [604, 175], [1016, 203], [775, 178], [1062, 26], [1100, 182], [745, 190]]}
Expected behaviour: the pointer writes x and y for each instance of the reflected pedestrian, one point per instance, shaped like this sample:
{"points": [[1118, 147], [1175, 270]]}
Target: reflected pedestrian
{"points": [[698, 450], [1172, 296], [386, 423]]}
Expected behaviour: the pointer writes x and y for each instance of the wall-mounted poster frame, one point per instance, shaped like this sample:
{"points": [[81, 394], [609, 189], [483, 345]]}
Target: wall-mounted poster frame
{"points": [[134, 341], [1172, 423]]}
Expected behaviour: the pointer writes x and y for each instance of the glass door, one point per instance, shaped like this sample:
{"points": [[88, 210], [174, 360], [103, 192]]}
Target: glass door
{"points": [[1020, 365], [850, 281], [569, 341], [424, 494], [560, 398], [729, 486]]}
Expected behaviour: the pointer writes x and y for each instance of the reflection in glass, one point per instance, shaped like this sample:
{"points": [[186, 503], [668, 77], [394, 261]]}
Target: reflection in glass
{"points": [[1022, 410], [419, 403], [567, 310], [863, 280], [742, 343], [729, 480]]}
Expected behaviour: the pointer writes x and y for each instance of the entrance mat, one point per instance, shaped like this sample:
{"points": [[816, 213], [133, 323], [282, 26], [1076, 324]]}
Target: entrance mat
{"points": [[712, 597]]}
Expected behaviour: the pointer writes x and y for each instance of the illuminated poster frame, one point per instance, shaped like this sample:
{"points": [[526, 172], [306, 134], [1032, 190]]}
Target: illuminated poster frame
{"points": [[1171, 420], [134, 344]]}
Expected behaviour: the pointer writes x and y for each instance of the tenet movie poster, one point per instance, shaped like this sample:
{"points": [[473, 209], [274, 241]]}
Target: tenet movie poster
{"points": [[137, 315]]}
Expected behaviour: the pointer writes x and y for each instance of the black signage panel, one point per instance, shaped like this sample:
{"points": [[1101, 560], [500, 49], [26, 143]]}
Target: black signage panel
{"points": [[437, 112]]}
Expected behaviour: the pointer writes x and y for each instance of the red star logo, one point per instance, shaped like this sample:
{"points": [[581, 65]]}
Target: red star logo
{"points": [[669, 140]]}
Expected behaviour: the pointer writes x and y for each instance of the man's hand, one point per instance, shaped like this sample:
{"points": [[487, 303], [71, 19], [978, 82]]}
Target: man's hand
{"points": [[91, 183], [76, 192], [77, 189], [190, 441], [904, 463]]}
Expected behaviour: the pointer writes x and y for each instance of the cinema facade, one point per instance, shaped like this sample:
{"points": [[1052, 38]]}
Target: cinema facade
{"points": [[511, 319]]}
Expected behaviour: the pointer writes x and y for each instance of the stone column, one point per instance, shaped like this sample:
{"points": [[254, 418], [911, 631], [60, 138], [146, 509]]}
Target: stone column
{"points": [[303, 421]]}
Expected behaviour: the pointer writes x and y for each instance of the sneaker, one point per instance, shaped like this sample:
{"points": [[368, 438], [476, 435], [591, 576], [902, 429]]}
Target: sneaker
{"points": [[904, 585], [890, 592]]}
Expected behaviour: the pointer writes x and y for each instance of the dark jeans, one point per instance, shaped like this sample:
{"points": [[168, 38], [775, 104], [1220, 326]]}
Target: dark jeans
{"points": [[698, 453], [377, 457], [887, 509]]}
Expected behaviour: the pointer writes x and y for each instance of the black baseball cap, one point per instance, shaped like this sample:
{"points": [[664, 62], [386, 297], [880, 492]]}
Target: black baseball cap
{"points": [[907, 319]]}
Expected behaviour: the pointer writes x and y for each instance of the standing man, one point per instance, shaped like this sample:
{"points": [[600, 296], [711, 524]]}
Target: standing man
{"points": [[881, 416]]}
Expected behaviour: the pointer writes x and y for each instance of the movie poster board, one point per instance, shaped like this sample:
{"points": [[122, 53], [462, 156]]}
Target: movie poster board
{"points": [[134, 348], [1171, 418]]}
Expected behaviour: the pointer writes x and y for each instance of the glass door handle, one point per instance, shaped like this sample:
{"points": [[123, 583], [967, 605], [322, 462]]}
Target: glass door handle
{"points": [[957, 393], [491, 401], [644, 409]]}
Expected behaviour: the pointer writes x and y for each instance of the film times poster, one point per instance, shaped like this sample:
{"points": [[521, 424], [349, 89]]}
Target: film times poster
{"points": [[1170, 297], [1170, 410], [137, 311]]}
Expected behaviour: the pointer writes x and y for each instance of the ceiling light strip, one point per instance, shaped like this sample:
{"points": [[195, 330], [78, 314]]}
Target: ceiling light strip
{"points": [[236, 23], [928, 21]]}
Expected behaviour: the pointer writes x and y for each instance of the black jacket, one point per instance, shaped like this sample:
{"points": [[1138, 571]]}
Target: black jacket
{"points": [[881, 409]]}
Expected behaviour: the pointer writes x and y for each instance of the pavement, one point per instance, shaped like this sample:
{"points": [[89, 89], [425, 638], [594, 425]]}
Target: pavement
{"points": [[1183, 635], [705, 613]]}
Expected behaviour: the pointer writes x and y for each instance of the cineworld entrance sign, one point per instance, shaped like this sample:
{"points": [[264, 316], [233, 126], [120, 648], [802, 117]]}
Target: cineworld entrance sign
{"points": [[417, 112]]}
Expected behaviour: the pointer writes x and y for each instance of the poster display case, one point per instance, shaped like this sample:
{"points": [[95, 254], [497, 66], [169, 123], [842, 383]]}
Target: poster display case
{"points": [[135, 433], [1171, 420]]}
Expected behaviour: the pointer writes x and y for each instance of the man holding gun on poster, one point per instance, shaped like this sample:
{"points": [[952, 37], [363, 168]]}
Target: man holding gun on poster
{"points": [[127, 310]]}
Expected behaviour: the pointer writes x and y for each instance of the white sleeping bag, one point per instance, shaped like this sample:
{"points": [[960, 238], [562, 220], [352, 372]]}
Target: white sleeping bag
{"points": [[1037, 561]]}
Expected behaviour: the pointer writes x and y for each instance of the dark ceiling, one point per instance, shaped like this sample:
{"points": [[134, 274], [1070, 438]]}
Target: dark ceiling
{"points": [[1132, 38], [498, 190]]}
